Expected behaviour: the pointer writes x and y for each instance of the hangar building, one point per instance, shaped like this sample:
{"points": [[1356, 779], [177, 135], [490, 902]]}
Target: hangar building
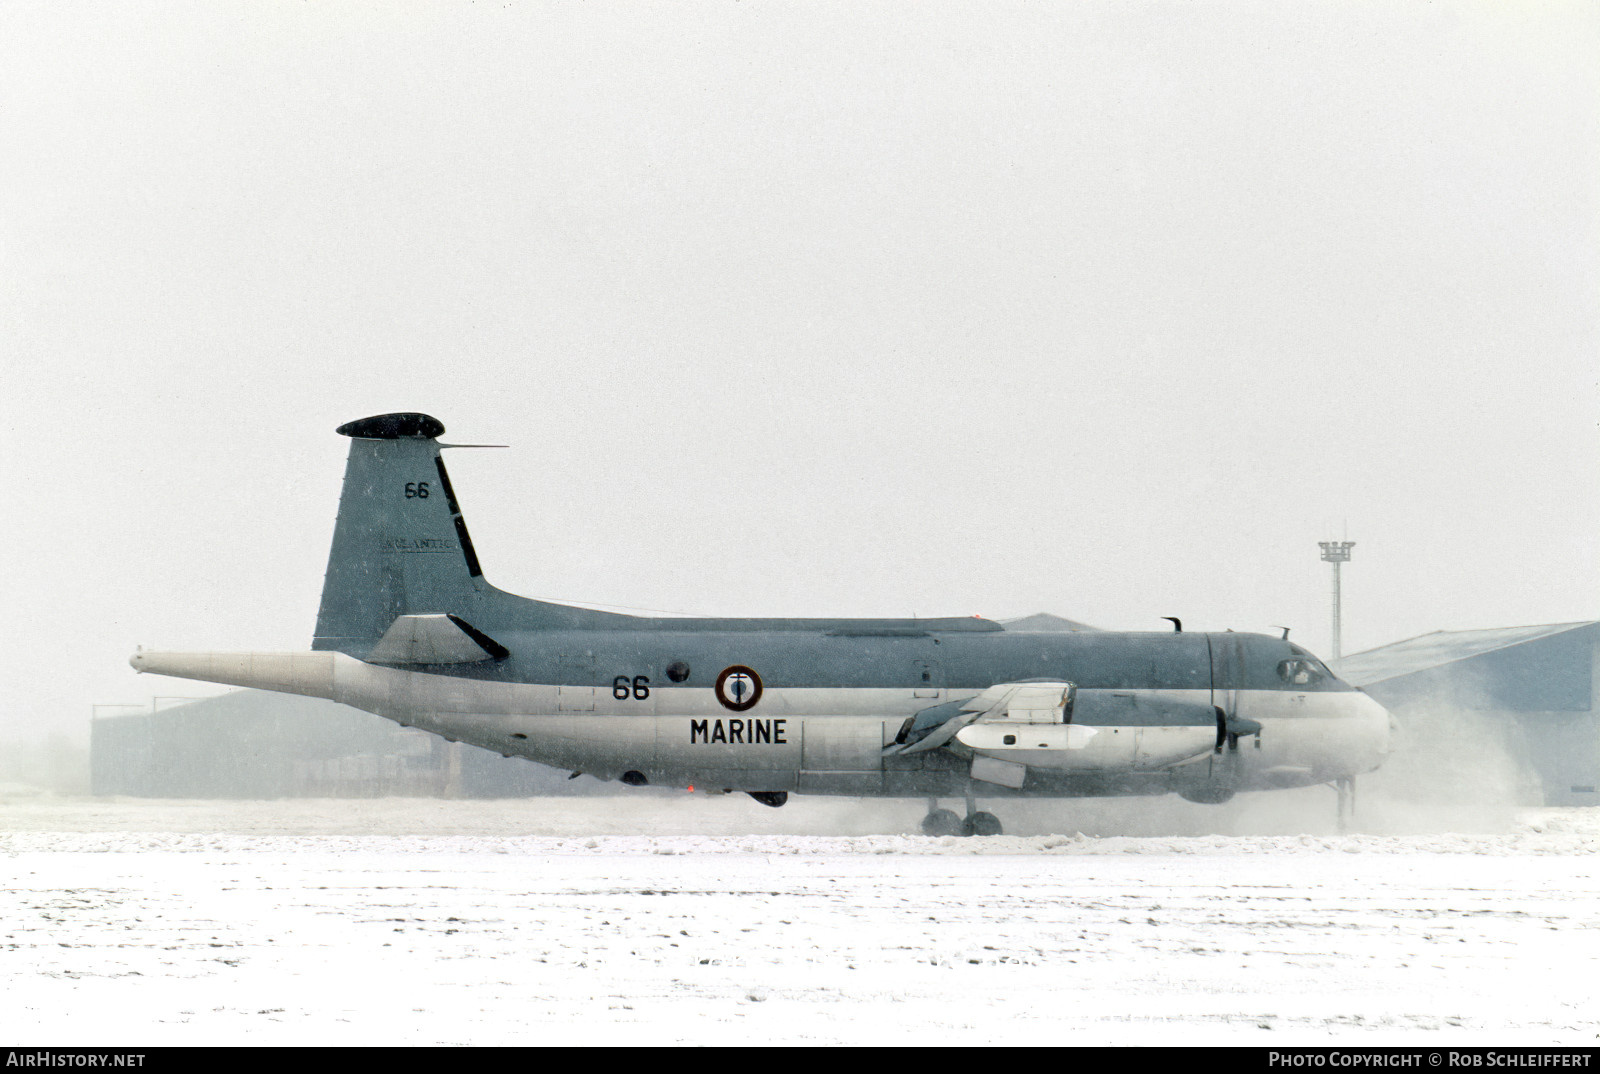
{"points": [[256, 744], [1528, 692]]}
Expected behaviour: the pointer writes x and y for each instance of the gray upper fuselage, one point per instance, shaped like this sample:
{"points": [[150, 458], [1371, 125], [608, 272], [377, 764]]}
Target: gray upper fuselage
{"points": [[956, 655]]}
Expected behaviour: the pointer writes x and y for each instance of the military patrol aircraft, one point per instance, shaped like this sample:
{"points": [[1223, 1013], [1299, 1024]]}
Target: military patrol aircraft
{"points": [[932, 708]]}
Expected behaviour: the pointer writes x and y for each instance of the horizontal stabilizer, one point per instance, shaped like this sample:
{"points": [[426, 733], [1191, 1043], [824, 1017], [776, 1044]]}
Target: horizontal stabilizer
{"points": [[435, 639]]}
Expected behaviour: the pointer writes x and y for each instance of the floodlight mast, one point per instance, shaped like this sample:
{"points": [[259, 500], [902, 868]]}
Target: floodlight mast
{"points": [[1336, 552]]}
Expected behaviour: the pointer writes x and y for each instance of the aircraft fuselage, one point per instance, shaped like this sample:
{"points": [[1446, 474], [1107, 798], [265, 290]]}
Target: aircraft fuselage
{"points": [[832, 702]]}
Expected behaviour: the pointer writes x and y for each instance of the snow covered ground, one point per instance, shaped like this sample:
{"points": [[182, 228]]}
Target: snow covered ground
{"points": [[716, 921]]}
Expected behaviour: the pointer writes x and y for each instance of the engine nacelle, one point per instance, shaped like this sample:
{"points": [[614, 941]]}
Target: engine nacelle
{"points": [[1090, 749], [1109, 731]]}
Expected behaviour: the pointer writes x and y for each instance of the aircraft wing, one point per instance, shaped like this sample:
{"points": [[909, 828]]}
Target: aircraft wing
{"points": [[1014, 702], [435, 639]]}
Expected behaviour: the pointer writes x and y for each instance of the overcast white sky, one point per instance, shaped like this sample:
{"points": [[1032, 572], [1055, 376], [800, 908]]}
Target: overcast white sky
{"points": [[1106, 309]]}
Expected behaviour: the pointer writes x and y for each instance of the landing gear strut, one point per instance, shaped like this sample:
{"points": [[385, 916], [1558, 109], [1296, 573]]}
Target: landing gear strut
{"points": [[1346, 790], [946, 822]]}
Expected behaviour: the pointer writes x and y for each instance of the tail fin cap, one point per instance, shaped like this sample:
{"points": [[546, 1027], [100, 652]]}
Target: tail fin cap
{"points": [[393, 427]]}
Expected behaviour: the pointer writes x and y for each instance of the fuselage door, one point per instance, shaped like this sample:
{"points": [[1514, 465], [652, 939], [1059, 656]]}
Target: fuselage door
{"points": [[928, 679], [575, 674]]}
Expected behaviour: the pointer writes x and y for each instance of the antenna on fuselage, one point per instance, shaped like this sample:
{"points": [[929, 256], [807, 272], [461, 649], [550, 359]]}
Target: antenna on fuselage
{"points": [[1177, 624], [1285, 631]]}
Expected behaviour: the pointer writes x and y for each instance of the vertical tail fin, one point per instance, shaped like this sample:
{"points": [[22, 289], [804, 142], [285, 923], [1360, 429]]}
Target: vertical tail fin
{"points": [[400, 545]]}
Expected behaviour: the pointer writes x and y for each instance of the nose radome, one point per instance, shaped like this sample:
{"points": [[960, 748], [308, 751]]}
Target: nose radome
{"points": [[1397, 732], [1385, 728]]}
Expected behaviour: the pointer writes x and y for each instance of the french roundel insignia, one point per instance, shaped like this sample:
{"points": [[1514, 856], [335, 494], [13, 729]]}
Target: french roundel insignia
{"points": [[738, 688]]}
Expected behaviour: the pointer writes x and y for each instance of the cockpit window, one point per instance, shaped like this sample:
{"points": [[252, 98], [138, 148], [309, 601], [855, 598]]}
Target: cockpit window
{"points": [[1301, 671]]}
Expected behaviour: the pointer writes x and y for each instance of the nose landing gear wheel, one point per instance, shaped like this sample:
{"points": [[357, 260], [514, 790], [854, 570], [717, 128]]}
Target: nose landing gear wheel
{"points": [[942, 822], [981, 824]]}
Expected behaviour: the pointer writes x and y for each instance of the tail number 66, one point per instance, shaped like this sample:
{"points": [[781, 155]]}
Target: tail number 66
{"points": [[638, 689]]}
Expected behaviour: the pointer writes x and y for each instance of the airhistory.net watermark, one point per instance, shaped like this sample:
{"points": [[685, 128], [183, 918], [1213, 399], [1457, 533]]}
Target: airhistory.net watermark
{"points": [[44, 1058]]}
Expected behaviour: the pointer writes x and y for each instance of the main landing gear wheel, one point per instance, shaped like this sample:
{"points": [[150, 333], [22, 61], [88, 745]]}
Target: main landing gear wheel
{"points": [[942, 822], [981, 824], [945, 822]]}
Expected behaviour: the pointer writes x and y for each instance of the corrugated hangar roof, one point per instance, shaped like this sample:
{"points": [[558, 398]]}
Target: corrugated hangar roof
{"points": [[1439, 648], [1045, 623]]}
